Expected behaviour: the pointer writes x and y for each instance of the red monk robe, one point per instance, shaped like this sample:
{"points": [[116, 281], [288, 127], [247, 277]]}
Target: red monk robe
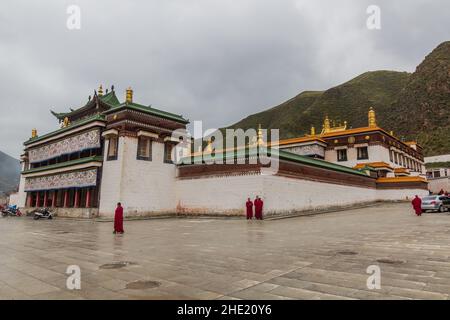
{"points": [[118, 219], [249, 205], [258, 208], [417, 205]]}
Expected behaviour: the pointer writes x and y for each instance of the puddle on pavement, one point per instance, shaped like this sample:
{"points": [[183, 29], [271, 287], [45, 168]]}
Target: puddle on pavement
{"points": [[142, 284], [117, 265], [347, 252], [390, 261]]}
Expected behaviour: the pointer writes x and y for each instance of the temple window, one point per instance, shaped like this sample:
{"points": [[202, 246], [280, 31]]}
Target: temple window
{"points": [[168, 147], [342, 155], [363, 153], [113, 148], [396, 157], [144, 150], [391, 155]]}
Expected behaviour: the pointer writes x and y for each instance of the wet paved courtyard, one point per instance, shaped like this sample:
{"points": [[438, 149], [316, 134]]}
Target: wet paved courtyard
{"points": [[313, 257]]}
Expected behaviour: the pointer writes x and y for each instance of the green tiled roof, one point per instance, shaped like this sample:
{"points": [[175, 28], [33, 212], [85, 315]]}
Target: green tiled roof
{"points": [[148, 110], [70, 127], [282, 155], [65, 164]]}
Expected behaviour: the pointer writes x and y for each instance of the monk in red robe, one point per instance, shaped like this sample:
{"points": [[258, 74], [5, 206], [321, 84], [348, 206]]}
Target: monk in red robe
{"points": [[258, 208], [249, 205], [417, 205], [118, 219]]}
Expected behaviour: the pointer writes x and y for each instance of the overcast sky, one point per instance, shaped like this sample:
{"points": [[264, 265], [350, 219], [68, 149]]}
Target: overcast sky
{"points": [[211, 60]]}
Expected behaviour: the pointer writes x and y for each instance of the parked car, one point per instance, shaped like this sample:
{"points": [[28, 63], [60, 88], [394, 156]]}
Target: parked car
{"points": [[436, 203]]}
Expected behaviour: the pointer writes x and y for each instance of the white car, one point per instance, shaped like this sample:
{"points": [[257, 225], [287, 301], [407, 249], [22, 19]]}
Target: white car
{"points": [[436, 203]]}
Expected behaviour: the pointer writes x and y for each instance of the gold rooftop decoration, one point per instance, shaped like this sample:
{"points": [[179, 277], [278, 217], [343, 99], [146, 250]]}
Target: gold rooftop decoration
{"points": [[328, 128], [34, 134], [100, 91], [66, 122], [260, 141], [313, 131], [372, 118], [129, 95]]}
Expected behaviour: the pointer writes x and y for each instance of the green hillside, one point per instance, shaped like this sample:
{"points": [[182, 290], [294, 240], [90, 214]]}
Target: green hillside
{"points": [[414, 106]]}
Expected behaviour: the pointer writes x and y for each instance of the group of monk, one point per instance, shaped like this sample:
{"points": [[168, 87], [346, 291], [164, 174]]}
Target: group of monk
{"points": [[258, 204]]}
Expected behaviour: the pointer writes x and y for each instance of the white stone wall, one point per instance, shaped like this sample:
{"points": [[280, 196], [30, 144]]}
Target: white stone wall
{"points": [[225, 195], [21, 197], [376, 153], [281, 195], [437, 184], [143, 187], [441, 158]]}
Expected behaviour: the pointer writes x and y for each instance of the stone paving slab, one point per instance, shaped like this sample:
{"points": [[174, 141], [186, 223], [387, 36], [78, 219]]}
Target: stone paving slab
{"points": [[310, 257]]}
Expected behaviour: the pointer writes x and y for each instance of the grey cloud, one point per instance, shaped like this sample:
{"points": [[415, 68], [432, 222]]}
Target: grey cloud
{"points": [[211, 60]]}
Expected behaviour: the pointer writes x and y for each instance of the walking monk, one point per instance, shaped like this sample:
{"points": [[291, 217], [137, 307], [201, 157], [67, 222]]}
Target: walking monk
{"points": [[249, 205], [258, 208], [417, 205], [118, 219]]}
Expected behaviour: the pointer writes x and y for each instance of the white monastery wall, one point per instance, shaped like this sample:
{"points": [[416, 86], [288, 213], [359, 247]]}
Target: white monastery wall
{"points": [[217, 194], [227, 195], [441, 158], [143, 187], [111, 180], [437, 184], [284, 195]]}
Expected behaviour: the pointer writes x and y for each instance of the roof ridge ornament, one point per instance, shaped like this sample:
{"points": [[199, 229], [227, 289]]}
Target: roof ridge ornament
{"points": [[372, 118], [129, 95], [100, 91]]}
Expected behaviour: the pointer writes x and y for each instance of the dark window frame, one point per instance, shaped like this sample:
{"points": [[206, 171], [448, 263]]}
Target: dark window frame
{"points": [[115, 156], [365, 155], [344, 158], [150, 149], [166, 153]]}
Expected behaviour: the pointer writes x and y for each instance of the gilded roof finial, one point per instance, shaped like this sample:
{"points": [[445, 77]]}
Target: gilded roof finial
{"points": [[260, 140], [209, 146], [372, 118], [129, 95], [313, 131], [66, 122], [326, 125], [100, 91], [34, 134]]}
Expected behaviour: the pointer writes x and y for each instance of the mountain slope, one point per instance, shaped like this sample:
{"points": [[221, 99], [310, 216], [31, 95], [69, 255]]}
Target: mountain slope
{"points": [[414, 106], [9, 173]]}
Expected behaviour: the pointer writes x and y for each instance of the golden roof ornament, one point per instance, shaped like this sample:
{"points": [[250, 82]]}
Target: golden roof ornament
{"points": [[129, 95], [100, 91], [372, 118], [34, 134], [328, 128], [209, 146], [66, 122], [260, 140], [313, 131]]}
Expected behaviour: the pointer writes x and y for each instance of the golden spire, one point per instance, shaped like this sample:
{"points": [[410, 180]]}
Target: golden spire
{"points": [[326, 125], [209, 146], [129, 95], [66, 122], [34, 134], [100, 91], [260, 140], [313, 131], [372, 118]]}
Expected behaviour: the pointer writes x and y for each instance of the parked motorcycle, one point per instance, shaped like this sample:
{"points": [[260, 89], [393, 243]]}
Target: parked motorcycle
{"points": [[12, 211], [43, 213]]}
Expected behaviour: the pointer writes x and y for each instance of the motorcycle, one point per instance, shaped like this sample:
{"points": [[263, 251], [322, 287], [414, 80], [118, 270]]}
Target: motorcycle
{"points": [[43, 213], [12, 211]]}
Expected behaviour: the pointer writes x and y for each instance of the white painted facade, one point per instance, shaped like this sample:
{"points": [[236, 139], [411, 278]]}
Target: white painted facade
{"points": [[281, 195], [142, 186]]}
